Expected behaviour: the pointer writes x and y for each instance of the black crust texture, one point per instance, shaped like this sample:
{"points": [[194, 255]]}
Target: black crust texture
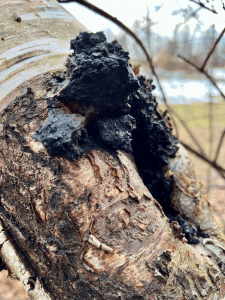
{"points": [[190, 231], [153, 143], [99, 76], [109, 107], [64, 135], [124, 113], [116, 132]]}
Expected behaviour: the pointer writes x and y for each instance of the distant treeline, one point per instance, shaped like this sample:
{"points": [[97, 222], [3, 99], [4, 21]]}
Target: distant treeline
{"points": [[164, 50]]}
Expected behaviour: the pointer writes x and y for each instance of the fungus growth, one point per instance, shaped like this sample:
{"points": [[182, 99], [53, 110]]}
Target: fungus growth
{"points": [[109, 107]]}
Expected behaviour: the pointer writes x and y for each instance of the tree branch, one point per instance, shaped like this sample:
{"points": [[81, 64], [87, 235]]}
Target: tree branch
{"points": [[205, 73], [18, 269], [204, 6], [213, 48], [114, 20], [217, 167], [188, 131], [219, 146]]}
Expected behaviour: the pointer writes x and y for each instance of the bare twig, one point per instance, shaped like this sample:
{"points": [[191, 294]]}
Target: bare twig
{"points": [[223, 4], [210, 107], [189, 17], [116, 21], [201, 70], [205, 73], [204, 6], [213, 48], [219, 146], [217, 167], [211, 138]]}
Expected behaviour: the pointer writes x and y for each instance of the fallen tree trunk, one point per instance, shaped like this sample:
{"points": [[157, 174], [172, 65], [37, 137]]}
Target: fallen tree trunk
{"points": [[78, 218]]}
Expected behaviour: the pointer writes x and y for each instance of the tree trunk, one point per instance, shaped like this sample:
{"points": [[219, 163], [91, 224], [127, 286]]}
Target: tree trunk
{"points": [[88, 228]]}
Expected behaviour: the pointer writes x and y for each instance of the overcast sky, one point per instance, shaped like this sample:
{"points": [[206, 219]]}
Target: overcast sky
{"points": [[128, 11]]}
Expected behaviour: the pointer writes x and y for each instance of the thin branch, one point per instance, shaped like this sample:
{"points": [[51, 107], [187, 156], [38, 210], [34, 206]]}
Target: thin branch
{"points": [[114, 20], [213, 48], [14, 261], [211, 139], [218, 168], [204, 6], [219, 146], [223, 4], [204, 72]]}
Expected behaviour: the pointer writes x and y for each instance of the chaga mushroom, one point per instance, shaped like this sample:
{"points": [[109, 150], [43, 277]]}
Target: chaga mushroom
{"points": [[100, 103], [99, 77], [76, 219], [117, 132], [61, 134], [78, 171], [98, 82]]}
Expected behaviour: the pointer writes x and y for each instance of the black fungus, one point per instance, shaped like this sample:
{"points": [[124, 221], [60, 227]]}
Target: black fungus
{"points": [[119, 110], [112, 108], [203, 234], [99, 77], [116, 132], [153, 143], [117, 107], [190, 231], [64, 135]]}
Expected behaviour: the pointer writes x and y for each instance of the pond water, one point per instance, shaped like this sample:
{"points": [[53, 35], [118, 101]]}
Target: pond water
{"points": [[180, 90]]}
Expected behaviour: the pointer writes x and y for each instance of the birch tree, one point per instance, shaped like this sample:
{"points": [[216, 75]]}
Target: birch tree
{"points": [[81, 157]]}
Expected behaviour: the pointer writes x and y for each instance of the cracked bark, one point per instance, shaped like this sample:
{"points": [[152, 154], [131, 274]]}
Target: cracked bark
{"points": [[88, 229]]}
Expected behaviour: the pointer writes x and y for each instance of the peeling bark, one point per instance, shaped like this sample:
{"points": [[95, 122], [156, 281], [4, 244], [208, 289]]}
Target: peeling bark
{"points": [[88, 227], [18, 270]]}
